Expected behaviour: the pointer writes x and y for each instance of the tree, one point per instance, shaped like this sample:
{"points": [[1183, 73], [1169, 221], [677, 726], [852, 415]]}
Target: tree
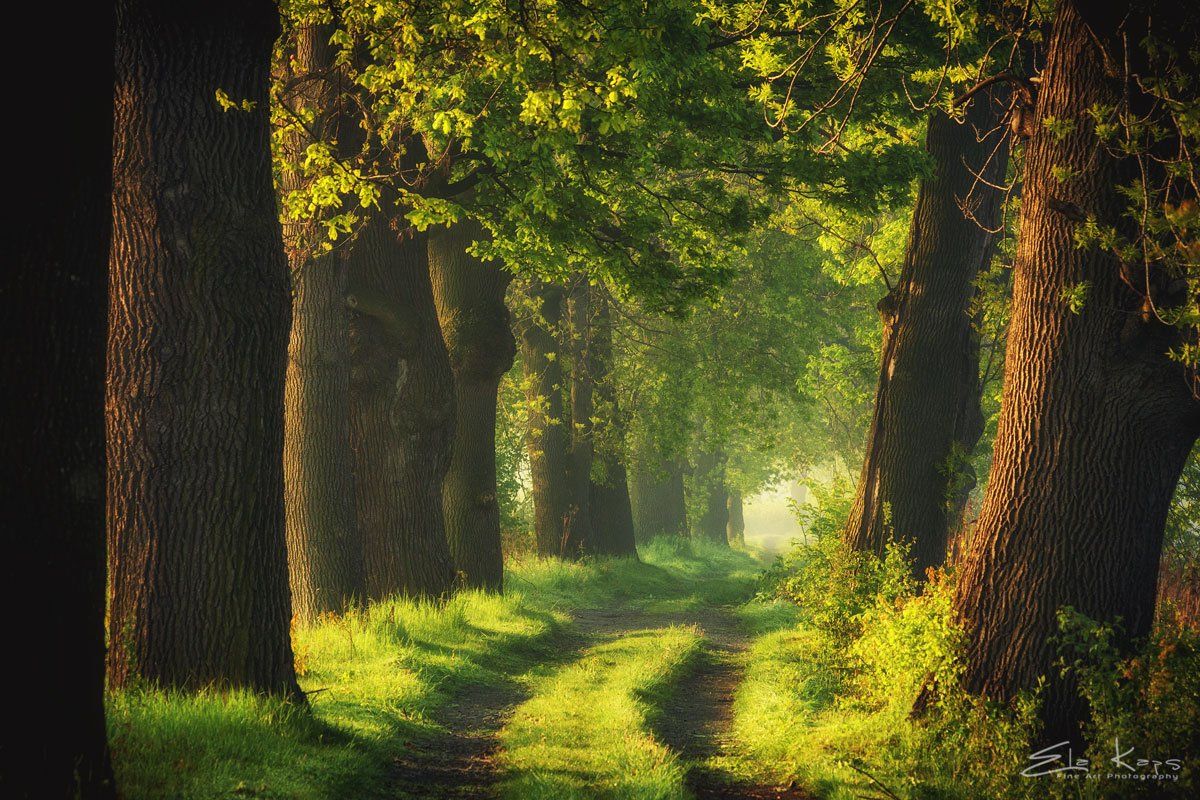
{"points": [[548, 439], [578, 533], [610, 505], [657, 499], [709, 480], [475, 325], [402, 412], [324, 546], [1097, 417], [926, 419], [52, 433], [197, 351], [736, 528]]}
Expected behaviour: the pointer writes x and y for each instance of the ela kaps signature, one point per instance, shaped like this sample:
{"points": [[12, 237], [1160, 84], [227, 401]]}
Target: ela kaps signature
{"points": [[1059, 759]]}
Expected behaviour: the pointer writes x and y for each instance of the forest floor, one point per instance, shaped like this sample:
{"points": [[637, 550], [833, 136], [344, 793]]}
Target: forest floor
{"points": [[607, 679]]}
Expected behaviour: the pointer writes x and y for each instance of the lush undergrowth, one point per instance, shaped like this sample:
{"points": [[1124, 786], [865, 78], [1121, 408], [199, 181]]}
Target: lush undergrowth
{"points": [[375, 677], [826, 702], [585, 732]]}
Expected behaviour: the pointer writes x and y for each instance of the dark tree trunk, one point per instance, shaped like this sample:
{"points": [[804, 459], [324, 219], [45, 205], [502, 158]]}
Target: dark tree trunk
{"points": [[926, 419], [402, 414], [710, 482], [1096, 421], [736, 528], [657, 497], [611, 509], [579, 535], [54, 292], [548, 439], [324, 549], [197, 352], [475, 325]]}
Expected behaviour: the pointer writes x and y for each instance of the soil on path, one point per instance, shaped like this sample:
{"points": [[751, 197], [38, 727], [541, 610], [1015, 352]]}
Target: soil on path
{"points": [[460, 761], [697, 720]]}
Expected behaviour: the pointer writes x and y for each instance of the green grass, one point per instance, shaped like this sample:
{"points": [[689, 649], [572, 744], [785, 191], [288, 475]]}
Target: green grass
{"points": [[375, 678], [585, 732]]}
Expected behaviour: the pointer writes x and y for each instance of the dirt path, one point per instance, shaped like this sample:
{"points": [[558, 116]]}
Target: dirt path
{"points": [[696, 721], [460, 761]]}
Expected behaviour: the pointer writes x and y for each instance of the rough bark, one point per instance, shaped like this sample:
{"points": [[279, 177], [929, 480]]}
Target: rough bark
{"points": [[54, 291], [710, 481], [475, 326], [402, 414], [1096, 421], [926, 419], [657, 497], [610, 505], [324, 549], [197, 349], [736, 528], [548, 439]]}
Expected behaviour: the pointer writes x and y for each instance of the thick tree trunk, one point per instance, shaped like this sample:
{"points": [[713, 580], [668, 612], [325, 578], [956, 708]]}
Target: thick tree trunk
{"points": [[324, 549], [1096, 421], [611, 508], [548, 439], [710, 481], [657, 497], [55, 296], [926, 420], [197, 351], [402, 414], [476, 328], [736, 528]]}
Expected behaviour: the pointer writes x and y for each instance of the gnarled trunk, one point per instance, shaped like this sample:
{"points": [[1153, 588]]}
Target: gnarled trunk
{"points": [[611, 508], [548, 439], [197, 351], [475, 325], [324, 549], [926, 420], [55, 295], [402, 414], [1096, 420], [657, 497]]}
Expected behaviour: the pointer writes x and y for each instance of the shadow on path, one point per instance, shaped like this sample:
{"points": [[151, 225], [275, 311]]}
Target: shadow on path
{"points": [[696, 720]]}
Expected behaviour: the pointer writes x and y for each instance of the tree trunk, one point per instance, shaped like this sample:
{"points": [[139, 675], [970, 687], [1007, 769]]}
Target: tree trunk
{"points": [[197, 352], [402, 414], [736, 529], [580, 537], [324, 549], [55, 294], [548, 440], [611, 508], [657, 497], [475, 325], [710, 480], [926, 419], [1096, 421]]}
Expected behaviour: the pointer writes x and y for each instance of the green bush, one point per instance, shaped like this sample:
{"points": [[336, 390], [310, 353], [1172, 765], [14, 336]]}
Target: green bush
{"points": [[831, 702]]}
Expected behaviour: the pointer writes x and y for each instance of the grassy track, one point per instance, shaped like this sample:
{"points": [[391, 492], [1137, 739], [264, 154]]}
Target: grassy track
{"points": [[379, 680]]}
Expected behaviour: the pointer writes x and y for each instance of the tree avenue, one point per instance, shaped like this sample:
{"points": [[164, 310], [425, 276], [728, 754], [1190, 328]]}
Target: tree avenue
{"points": [[812, 382]]}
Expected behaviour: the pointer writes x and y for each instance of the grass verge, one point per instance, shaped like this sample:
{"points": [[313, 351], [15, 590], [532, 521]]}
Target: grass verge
{"points": [[376, 676]]}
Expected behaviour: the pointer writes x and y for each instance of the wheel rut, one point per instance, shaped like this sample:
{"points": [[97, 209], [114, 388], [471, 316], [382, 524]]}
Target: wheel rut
{"points": [[461, 759]]}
